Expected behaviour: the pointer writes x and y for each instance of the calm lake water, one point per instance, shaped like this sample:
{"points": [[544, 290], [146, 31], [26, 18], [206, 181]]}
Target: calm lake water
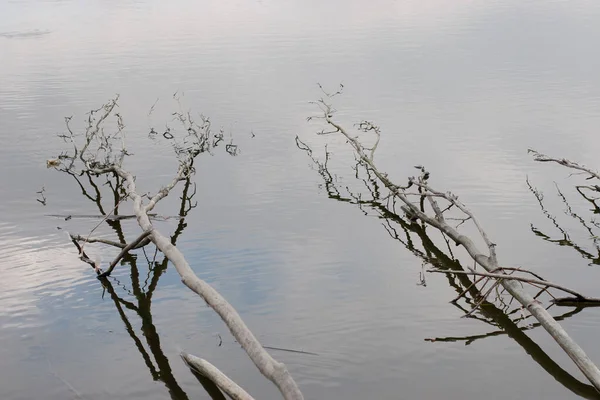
{"points": [[463, 87]]}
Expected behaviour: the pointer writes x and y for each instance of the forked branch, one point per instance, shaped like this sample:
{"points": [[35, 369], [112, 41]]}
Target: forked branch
{"points": [[102, 153], [437, 219]]}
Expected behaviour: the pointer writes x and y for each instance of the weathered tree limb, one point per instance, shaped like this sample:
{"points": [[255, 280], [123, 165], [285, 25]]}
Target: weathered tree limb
{"points": [[409, 233], [563, 161], [487, 261], [401, 229], [204, 368], [106, 159], [80, 238], [125, 250], [140, 301], [275, 371], [138, 245], [113, 217]]}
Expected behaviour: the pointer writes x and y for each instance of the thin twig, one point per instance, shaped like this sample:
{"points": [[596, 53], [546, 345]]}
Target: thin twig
{"points": [[512, 277]]}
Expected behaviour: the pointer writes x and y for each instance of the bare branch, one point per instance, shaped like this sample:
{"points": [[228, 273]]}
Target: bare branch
{"points": [[125, 250], [273, 370], [516, 278], [206, 369], [80, 238], [488, 262], [102, 158], [563, 161]]}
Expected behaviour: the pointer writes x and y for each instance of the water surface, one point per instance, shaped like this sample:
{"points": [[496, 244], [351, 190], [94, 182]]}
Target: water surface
{"points": [[462, 87]]}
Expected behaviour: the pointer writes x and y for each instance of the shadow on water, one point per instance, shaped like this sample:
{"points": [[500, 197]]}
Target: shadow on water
{"points": [[414, 237]]}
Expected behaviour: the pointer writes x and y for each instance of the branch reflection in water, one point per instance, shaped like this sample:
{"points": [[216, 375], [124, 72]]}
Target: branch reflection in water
{"points": [[141, 288], [372, 200], [587, 193]]}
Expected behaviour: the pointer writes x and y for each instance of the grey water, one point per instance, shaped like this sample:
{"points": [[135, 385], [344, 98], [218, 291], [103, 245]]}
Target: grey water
{"points": [[462, 87]]}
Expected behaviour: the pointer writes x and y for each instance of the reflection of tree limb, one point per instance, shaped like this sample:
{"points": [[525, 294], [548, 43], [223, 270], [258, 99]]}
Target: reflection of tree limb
{"points": [[133, 245], [595, 208], [569, 211], [434, 256], [129, 327], [213, 390], [431, 254], [143, 310], [566, 239], [104, 158], [524, 279], [488, 261], [532, 348]]}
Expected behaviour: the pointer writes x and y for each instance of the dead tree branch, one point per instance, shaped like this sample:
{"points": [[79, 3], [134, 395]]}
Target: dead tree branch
{"points": [[583, 299], [125, 250], [103, 153], [204, 368], [411, 234], [564, 162], [488, 261], [80, 238]]}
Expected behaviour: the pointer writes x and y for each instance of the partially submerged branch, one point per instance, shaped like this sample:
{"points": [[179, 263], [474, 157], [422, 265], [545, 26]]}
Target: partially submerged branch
{"points": [[204, 368], [437, 219], [578, 297], [414, 236], [104, 153], [136, 243]]}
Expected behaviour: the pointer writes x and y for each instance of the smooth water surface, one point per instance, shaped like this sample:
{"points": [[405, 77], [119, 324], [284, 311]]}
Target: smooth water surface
{"points": [[463, 87]]}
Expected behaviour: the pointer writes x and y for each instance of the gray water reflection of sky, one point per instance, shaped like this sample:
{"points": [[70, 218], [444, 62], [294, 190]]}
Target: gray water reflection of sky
{"points": [[464, 87]]}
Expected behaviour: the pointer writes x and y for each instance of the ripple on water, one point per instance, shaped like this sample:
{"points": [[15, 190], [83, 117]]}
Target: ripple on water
{"points": [[35, 271]]}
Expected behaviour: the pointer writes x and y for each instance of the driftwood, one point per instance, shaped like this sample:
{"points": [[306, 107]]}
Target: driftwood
{"points": [[437, 219], [206, 369], [103, 153]]}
